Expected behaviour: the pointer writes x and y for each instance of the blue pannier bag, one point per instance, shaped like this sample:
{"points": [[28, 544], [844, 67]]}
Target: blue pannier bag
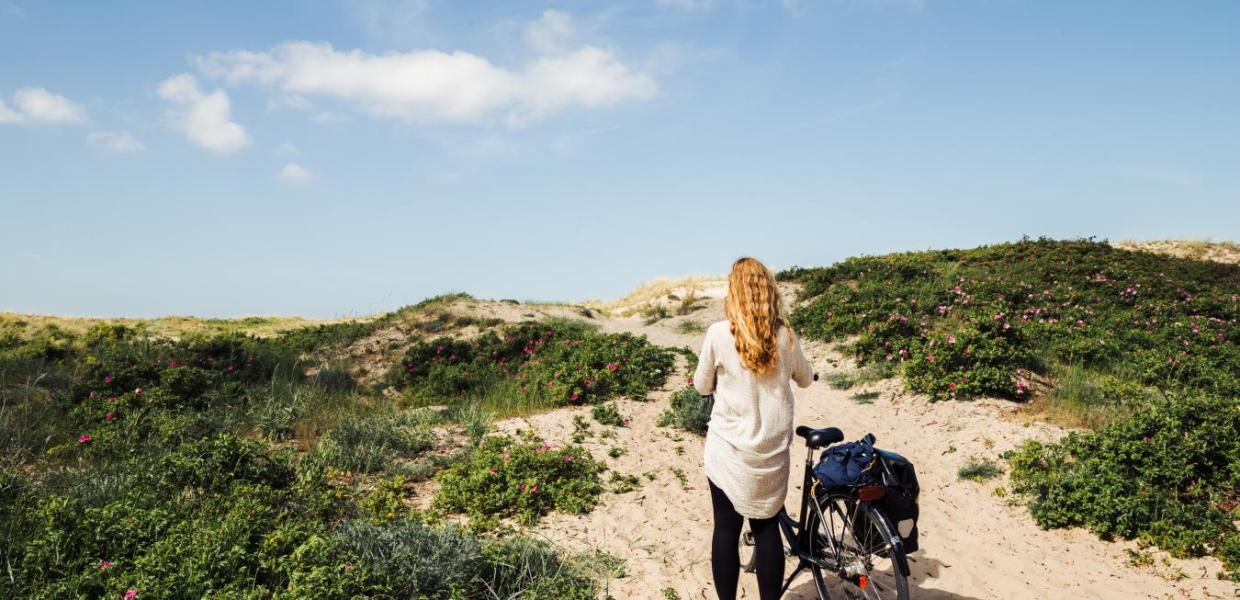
{"points": [[860, 463], [845, 465]]}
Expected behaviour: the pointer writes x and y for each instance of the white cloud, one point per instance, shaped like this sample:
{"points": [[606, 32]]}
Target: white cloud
{"points": [[120, 142], [38, 104], [296, 173], [551, 33], [686, 5], [8, 115], [436, 86], [204, 118]]}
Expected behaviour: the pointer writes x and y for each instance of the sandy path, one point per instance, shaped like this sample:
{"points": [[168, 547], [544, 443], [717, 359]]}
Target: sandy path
{"points": [[975, 543]]}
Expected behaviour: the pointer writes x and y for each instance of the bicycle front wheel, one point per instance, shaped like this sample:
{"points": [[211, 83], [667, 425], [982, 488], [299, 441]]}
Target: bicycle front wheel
{"points": [[855, 542]]}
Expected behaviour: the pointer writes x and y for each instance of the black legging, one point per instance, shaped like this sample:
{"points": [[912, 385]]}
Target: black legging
{"points": [[725, 561]]}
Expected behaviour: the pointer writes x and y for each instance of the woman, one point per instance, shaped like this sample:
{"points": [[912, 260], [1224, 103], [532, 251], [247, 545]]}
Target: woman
{"points": [[746, 362]]}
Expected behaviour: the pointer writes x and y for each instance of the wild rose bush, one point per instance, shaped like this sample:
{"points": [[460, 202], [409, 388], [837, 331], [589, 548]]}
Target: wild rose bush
{"points": [[546, 364], [133, 468], [993, 320], [988, 314], [1168, 475], [524, 479]]}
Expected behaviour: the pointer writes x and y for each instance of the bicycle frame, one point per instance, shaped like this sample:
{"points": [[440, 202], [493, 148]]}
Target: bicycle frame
{"points": [[798, 534]]}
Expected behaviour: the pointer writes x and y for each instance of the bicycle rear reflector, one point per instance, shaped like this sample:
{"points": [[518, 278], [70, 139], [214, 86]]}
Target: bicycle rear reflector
{"points": [[871, 493]]}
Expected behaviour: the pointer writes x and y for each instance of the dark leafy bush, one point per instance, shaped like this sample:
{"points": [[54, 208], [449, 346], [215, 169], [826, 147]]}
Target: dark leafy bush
{"points": [[1168, 474], [523, 479], [686, 410], [545, 364]]}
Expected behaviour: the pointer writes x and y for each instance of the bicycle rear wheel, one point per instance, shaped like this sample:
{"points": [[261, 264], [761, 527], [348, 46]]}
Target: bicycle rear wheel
{"points": [[855, 542]]}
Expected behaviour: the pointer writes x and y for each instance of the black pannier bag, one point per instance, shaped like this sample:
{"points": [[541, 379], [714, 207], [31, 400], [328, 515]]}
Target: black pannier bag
{"points": [[899, 502]]}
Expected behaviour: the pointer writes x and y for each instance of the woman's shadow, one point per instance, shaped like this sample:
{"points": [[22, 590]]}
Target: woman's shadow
{"points": [[920, 569]]}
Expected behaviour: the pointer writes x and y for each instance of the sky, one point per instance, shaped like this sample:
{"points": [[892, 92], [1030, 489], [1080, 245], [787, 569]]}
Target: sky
{"points": [[330, 159]]}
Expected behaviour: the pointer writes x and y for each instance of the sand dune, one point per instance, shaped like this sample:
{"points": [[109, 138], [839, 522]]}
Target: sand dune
{"points": [[976, 543]]}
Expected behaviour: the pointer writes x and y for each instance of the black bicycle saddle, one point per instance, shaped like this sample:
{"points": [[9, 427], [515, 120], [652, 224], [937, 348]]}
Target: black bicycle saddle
{"points": [[817, 438]]}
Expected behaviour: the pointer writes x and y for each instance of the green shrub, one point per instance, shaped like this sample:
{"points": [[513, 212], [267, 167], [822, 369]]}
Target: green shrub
{"points": [[1167, 475], [686, 410], [534, 365], [522, 479]]}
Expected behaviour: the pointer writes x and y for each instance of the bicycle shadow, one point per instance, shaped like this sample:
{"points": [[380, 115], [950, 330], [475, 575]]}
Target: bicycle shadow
{"points": [[920, 569]]}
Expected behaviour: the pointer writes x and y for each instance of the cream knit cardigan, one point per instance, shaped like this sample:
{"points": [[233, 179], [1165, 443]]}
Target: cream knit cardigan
{"points": [[746, 452]]}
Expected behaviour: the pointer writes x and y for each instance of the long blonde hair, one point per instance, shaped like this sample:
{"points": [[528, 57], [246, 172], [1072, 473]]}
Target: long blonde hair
{"points": [[755, 312]]}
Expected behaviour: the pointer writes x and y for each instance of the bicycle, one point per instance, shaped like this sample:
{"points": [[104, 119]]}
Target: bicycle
{"points": [[841, 532]]}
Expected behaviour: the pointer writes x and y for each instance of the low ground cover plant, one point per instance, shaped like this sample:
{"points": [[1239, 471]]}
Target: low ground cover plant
{"points": [[1139, 346], [524, 479], [607, 414], [979, 470]]}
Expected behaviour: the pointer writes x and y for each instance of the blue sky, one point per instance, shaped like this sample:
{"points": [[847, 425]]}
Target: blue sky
{"points": [[336, 158]]}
